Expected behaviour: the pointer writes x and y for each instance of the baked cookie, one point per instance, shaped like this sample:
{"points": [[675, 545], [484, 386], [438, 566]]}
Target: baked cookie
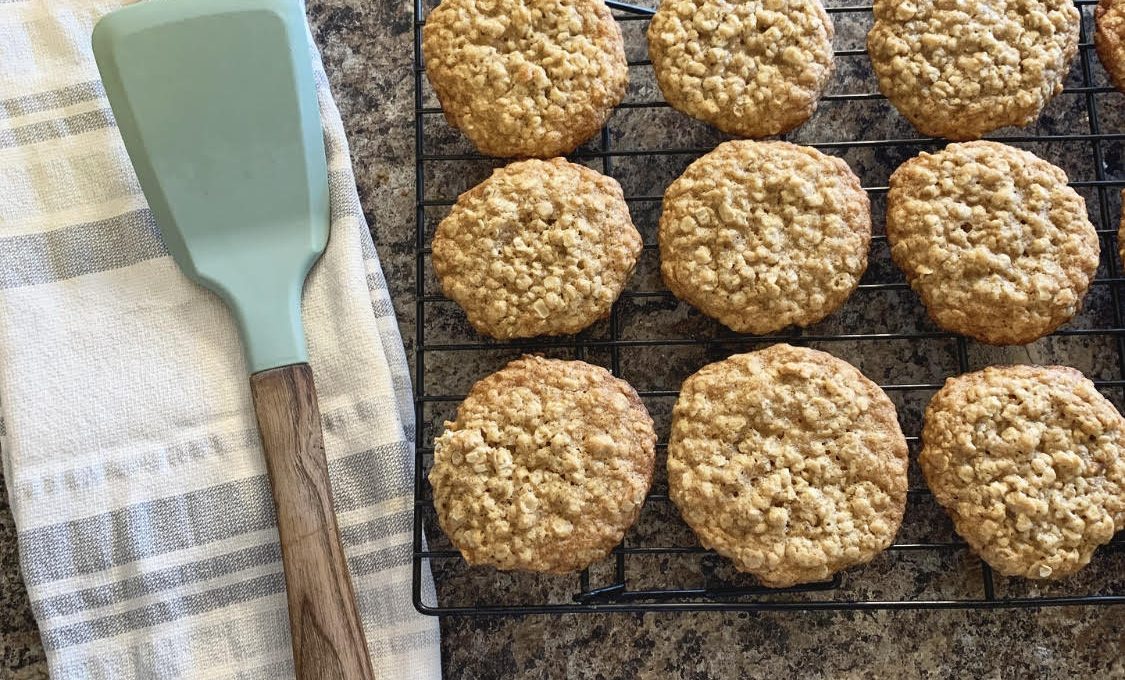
{"points": [[960, 70], [1109, 38], [545, 468], [538, 248], [764, 235], [1029, 461], [1121, 231], [789, 462], [752, 68], [993, 240], [525, 77]]}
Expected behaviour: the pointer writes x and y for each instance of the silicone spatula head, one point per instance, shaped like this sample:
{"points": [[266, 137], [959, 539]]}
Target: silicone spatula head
{"points": [[216, 103]]}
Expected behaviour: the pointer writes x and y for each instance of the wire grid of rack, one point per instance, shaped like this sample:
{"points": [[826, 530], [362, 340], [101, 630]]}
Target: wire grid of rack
{"points": [[617, 585]]}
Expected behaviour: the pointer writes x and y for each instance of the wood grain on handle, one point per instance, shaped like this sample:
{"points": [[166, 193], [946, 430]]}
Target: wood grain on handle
{"points": [[328, 640]]}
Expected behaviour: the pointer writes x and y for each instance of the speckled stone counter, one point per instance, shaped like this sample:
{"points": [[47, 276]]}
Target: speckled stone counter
{"points": [[367, 49]]}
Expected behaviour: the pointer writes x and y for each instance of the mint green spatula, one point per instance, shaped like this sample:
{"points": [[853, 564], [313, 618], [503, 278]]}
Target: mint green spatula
{"points": [[216, 103]]}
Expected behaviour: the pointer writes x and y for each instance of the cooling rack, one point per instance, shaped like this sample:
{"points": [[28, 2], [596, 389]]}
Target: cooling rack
{"points": [[654, 341]]}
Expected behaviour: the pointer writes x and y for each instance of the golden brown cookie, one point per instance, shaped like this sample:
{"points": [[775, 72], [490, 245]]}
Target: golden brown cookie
{"points": [[1029, 461], [545, 468], [764, 235], [1121, 232], [789, 462], [538, 248], [1109, 39], [993, 240], [752, 68], [961, 70], [530, 78]]}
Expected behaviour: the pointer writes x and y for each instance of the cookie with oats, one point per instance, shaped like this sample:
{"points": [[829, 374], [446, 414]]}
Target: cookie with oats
{"points": [[1121, 232], [960, 70], [538, 248], [545, 468], [764, 235], [789, 462], [751, 68], [1109, 39], [1029, 461], [525, 78], [993, 240]]}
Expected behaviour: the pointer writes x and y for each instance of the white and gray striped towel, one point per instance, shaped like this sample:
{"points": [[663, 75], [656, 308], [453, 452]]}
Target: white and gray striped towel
{"points": [[146, 531]]}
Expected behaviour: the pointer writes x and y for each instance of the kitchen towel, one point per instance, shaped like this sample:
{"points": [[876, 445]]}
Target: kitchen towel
{"points": [[130, 450]]}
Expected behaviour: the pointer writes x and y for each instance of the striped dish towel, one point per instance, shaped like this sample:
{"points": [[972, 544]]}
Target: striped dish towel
{"points": [[130, 450]]}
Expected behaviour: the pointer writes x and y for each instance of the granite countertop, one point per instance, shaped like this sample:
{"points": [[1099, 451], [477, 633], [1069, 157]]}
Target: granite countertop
{"points": [[367, 48]]}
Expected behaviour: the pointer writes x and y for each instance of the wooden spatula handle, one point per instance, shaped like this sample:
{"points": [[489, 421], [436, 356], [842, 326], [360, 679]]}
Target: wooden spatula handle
{"points": [[328, 640]]}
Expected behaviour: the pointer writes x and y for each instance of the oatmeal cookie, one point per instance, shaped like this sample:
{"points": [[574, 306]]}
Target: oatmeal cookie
{"points": [[764, 235], [545, 468], [527, 78], [1121, 232], [960, 70], [993, 240], [1110, 39], [539, 248], [1029, 461], [752, 68], [789, 462]]}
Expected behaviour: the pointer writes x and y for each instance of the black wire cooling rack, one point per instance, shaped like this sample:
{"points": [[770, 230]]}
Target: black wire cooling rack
{"points": [[660, 566]]}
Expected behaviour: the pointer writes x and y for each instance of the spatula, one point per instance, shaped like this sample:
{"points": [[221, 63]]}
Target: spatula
{"points": [[216, 104]]}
